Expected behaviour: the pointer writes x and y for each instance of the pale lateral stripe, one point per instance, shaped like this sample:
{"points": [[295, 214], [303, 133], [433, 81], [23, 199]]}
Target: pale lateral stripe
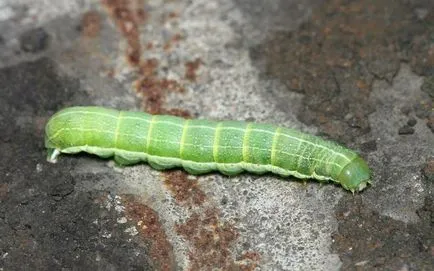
{"points": [[190, 144], [148, 137], [204, 127], [273, 145], [184, 132], [245, 146]]}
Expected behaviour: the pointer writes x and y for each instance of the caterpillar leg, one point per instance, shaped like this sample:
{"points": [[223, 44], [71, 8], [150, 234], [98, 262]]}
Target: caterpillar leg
{"points": [[257, 169], [52, 155], [196, 169], [160, 163], [125, 161], [230, 169]]}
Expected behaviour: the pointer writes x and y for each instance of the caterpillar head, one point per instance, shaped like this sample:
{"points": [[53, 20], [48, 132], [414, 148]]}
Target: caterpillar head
{"points": [[355, 175]]}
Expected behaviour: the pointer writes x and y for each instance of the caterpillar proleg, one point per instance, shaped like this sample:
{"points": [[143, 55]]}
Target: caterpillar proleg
{"points": [[202, 146]]}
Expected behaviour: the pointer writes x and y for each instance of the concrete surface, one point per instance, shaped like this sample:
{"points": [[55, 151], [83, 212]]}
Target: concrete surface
{"points": [[358, 72]]}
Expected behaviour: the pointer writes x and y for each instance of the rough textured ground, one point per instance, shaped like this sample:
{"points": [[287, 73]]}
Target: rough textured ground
{"points": [[358, 72]]}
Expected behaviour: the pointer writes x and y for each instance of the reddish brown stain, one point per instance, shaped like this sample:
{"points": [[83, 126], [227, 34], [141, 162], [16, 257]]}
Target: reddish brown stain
{"points": [[249, 261], [148, 67], [154, 89], [172, 15], [149, 46], [178, 112], [430, 123], [185, 191], [175, 39], [210, 240], [128, 15], [191, 68], [91, 24], [141, 13], [110, 72], [4, 189], [428, 170], [39, 123], [149, 226]]}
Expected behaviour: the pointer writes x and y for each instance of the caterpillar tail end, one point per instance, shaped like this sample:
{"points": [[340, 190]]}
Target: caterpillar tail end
{"points": [[52, 155]]}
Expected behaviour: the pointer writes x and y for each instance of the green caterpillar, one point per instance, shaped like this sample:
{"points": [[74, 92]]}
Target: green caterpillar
{"points": [[201, 146]]}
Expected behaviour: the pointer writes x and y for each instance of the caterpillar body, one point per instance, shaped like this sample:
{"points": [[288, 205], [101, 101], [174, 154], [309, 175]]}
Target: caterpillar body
{"points": [[202, 146]]}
